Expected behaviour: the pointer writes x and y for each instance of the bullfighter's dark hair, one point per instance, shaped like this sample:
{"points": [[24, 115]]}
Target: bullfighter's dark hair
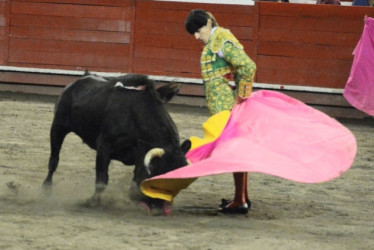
{"points": [[198, 18]]}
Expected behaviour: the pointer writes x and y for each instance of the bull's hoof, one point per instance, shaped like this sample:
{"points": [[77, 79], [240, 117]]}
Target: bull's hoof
{"points": [[155, 209], [146, 207], [93, 202], [47, 188], [166, 208], [47, 184]]}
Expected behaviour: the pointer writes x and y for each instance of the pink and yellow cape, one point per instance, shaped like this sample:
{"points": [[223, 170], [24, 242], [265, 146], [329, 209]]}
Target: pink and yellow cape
{"points": [[269, 133]]}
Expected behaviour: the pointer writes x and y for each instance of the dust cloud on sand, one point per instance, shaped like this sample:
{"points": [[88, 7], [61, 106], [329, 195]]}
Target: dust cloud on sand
{"points": [[284, 215]]}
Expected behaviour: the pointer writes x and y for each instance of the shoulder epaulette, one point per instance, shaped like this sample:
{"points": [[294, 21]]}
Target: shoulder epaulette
{"points": [[219, 37]]}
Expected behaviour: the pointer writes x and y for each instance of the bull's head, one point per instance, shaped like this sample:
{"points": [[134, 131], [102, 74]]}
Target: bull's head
{"points": [[156, 161]]}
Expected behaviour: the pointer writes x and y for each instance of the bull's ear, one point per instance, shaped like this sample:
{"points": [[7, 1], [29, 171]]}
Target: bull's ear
{"points": [[167, 92], [186, 145]]}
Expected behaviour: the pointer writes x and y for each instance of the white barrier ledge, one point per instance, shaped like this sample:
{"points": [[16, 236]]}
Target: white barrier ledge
{"points": [[289, 87]]}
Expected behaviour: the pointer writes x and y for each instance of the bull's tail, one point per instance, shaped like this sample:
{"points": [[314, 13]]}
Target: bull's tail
{"points": [[86, 73]]}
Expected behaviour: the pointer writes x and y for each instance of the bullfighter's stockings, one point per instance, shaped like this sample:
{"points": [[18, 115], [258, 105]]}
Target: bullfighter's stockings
{"points": [[241, 189], [241, 203]]}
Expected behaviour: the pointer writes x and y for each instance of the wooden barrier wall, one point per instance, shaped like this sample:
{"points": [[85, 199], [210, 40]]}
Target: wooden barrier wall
{"points": [[292, 44], [67, 34], [163, 46], [308, 45], [4, 31]]}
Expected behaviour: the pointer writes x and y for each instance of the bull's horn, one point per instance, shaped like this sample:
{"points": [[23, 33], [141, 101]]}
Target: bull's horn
{"points": [[154, 152]]}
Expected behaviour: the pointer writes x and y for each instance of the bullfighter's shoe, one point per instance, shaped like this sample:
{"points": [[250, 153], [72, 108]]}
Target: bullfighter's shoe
{"points": [[225, 202], [242, 209]]}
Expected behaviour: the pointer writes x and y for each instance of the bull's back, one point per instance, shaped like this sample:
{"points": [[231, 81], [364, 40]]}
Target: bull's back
{"points": [[93, 106], [81, 106]]}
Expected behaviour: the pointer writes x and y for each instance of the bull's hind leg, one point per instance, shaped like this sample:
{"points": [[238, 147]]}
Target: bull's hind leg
{"points": [[57, 136], [102, 177]]}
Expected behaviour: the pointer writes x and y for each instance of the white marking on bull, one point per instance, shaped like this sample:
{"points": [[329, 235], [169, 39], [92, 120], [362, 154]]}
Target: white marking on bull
{"points": [[120, 85]]}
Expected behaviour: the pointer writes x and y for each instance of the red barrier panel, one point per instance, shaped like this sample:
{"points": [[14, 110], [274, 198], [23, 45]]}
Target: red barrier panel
{"points": [[292, 44]]}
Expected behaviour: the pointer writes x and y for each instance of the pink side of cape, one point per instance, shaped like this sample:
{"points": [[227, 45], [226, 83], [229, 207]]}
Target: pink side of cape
{"points": [[274, 134], [359, 90]]}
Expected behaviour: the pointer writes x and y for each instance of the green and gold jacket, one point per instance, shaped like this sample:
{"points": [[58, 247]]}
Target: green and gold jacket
{"points": [[233, 61]]}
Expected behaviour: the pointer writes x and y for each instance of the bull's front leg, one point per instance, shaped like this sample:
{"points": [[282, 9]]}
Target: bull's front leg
{"points": [[102, 178]]}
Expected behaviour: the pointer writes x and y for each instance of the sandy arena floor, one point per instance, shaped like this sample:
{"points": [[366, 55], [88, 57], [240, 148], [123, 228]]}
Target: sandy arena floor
{"points": [[285, 215]]}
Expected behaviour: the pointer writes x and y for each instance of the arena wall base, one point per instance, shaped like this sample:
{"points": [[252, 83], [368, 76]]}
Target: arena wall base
{"points": [[52, 82]]}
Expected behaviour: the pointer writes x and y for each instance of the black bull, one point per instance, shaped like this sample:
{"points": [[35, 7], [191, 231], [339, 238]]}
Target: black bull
{"points": [[122, 118]]}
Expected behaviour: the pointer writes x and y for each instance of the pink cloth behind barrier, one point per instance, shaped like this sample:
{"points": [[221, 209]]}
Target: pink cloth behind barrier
{"points": [[359, 90], [274, 134]]}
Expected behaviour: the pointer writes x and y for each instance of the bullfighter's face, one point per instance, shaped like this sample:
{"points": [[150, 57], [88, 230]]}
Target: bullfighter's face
{"points": [[203, 34]]}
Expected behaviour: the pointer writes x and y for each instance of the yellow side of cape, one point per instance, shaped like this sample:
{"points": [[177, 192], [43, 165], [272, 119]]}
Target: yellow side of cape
{"points": [[167, 189]]}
